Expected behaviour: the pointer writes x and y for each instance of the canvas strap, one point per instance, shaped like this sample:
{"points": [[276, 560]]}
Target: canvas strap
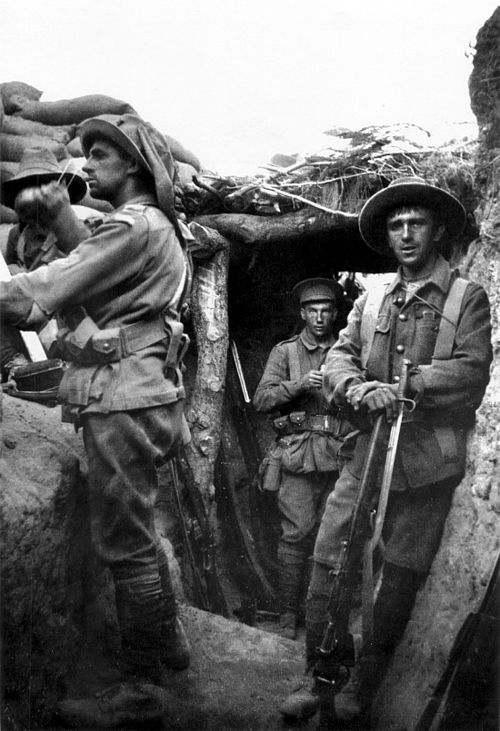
{"points": [[294, 360]]}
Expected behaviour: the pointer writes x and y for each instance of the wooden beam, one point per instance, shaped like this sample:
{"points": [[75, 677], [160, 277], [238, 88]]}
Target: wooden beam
{"points": [[204, 411], [250, 229]]}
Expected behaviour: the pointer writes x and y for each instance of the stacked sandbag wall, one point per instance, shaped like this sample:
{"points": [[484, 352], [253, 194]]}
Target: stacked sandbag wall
{"points": [[27, 121]]}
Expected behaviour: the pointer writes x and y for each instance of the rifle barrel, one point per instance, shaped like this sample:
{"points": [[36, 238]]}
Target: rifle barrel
{"points": [[239, 371]]}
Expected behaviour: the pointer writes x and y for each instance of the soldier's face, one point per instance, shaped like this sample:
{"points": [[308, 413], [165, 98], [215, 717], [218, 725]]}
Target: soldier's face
{"points": [[106, 170], [319, 318], [413, 234]]}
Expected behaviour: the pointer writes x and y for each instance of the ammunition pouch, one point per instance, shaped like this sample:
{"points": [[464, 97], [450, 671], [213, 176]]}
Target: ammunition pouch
{"points": [[301, 421], [314, 442], [87, 344]]}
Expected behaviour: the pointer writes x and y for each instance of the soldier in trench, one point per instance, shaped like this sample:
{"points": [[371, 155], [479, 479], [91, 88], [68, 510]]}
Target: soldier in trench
{"points": [[441, 324], [29, 244], [303, 465], [119, 293]]}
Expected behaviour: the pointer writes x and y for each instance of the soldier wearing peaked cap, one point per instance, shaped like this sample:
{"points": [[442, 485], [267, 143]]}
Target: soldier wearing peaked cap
{"points": [[119, 293], [427, 315], [303, 465]]}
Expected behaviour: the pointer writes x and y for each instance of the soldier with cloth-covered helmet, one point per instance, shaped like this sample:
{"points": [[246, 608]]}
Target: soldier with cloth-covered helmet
{"points": [[119, 293]]}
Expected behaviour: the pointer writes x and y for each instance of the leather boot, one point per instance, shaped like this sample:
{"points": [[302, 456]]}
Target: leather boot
{"points": [[303, 702], [292, 560], [175, 650], [392, 611], [133, 705], [317, 614], [139, 605], [394, 605]]}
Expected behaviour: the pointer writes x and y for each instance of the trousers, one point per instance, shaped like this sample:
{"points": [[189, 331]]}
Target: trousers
{"points": [[123, 450], [412, 528], [301, 501]]}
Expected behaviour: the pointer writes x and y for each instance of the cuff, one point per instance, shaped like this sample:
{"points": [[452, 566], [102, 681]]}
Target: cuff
{"points": [[417, 385]]}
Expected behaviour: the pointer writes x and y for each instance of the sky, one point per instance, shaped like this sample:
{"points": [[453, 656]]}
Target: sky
{"points": [[239, 80]]}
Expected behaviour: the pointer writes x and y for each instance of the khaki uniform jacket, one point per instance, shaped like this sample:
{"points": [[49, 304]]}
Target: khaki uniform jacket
{"points": [[432, 441], [279, 391], [129, 270]]}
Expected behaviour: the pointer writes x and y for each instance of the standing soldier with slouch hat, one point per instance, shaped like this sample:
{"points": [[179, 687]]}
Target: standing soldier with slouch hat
{"points": [[119, 293], [440, 323], [303, 465]]}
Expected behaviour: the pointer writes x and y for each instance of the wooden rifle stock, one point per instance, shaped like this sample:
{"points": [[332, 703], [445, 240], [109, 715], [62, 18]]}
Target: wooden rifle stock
{"points": [[336, 646], [336, 652]]}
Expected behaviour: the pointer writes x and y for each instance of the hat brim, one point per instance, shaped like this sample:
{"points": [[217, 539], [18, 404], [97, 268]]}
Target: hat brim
{"points": [[75, 183], [372, 217], [337, 291], [98, 128]]}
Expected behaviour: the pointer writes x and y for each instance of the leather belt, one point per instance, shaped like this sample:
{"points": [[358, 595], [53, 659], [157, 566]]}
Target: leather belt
{"points": [[320, 422], [300, 421]]}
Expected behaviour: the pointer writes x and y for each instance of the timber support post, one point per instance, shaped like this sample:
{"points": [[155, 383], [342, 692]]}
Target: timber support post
{"points": [[210, 321]]}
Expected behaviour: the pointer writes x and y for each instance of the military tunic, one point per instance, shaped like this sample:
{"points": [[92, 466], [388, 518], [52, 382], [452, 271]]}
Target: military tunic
{"points": [[127, 272], [432, 445], [309, 464]]}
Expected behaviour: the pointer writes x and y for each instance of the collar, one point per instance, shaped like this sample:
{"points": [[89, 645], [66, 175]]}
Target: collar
{"points": [[311, 344], [143, 199], [440, 276]]}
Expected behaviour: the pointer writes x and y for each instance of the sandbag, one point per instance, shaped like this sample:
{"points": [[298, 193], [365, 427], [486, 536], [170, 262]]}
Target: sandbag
{"points": [[7, 170], [75, 147], [185, 175], [12, 147], [7, 215], [70, 111], [5, 229], [181, 154], [18, 126], [10, 89]]}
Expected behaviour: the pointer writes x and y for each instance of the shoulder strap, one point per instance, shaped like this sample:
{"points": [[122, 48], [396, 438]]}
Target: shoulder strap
{"points": [[369, 319], [293, 359], [449, 320]]}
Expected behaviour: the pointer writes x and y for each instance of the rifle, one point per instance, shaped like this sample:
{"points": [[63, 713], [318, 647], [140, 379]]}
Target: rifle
{"points": [[472, 657], [243, 417], [252, 560], [336, 653], [198, 540]]}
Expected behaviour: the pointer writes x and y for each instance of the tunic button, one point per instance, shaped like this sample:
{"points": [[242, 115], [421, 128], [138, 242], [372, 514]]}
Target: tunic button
{"points": [[106, 346], [399, 301], [403, 317], [400, 348], [396, 379]]}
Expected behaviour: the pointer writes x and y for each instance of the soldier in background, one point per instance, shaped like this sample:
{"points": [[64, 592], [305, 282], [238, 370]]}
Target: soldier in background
{"points": [[30, 244], [303, 466]]}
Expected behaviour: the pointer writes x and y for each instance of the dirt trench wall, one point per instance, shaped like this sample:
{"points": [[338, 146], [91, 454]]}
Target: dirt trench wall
{"points": [[42, 540], [52, 594], [471, 540]]}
